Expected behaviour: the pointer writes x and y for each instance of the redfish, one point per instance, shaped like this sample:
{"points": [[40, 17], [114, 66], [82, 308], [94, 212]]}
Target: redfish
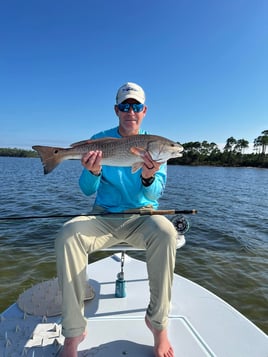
{"points": [[126, 151]]}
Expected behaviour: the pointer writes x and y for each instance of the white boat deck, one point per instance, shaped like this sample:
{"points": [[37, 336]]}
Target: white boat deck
{"points": [[200, 323]]}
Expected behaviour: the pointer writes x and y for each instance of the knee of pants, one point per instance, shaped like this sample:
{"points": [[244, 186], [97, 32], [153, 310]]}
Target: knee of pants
{"points": [[66, 236], [163, 231]]}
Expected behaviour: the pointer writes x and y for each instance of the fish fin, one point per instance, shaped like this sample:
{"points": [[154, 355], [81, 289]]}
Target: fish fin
{"points": [[136, 166], [82, 142], [92, 141], [137, 151], [49, 156]]}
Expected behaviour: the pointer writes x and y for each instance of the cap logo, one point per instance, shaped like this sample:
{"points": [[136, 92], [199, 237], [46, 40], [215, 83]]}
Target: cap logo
{"points": [[127, 89]]}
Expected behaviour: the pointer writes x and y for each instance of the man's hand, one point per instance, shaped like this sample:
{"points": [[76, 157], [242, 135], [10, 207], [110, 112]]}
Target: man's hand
{"points": [[150, 167], [92, 161]]}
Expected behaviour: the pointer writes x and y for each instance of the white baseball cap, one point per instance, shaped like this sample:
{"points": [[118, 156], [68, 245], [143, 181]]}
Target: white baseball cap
{"points": [[130, 90]]}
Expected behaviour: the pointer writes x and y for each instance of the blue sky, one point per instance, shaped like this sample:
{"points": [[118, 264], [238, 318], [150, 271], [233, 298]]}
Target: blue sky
{"points": [[203, 65]]}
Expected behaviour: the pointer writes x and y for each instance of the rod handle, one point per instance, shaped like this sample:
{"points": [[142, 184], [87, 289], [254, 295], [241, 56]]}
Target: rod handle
{"points": [[151, 212]]}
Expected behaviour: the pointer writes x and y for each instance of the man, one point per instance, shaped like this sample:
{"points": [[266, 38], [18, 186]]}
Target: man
{"points": [[117, 190]]}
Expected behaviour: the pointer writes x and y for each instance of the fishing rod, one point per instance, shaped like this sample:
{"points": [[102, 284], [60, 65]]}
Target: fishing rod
{"points": [[179, 221], [141, 212]]}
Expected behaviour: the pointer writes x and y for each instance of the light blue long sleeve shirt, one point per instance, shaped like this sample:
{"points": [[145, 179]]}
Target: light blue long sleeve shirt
{"points": [[117, 188]]}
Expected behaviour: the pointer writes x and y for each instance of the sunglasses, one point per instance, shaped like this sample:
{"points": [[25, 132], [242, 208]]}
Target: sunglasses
{"points": [[125, 107]]}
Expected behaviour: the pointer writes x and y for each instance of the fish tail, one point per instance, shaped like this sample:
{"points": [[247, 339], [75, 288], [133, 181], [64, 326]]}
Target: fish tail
{"points": [[50, 157]]}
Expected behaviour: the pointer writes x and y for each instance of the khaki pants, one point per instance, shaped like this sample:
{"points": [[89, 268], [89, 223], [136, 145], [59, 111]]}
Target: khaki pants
{"points": [[84, 235]]}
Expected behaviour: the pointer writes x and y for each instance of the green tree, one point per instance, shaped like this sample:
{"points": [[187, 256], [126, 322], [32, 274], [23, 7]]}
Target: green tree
{"points": [[230, 142], [261, 142], [241, 145]]}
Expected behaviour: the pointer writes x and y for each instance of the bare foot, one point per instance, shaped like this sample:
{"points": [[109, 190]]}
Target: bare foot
{"points": [[162, 346], [70, 345]]}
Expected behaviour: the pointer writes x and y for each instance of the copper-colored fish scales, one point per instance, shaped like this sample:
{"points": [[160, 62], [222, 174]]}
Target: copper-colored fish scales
{"points": [[126, 151]]}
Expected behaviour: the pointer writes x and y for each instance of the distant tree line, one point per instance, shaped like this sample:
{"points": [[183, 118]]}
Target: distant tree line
{"points": [[201, 153], [205, 153], [14, 152]]}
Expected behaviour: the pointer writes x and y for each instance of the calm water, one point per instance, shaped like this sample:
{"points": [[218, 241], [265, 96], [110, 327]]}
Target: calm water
{"points": [[227, 245]]}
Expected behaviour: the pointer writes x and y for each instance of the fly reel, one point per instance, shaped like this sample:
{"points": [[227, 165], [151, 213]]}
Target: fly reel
{"points": [[181, 224]]}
